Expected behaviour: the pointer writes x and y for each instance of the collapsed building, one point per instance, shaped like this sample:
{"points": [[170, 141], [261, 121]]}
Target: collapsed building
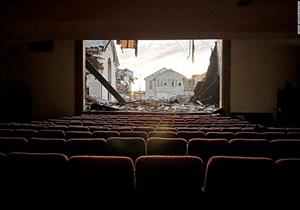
{"points": [[103, 55], [207, 91]]}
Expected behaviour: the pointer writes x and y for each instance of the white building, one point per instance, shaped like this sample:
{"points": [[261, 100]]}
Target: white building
{"points": [[105, 51], [164, 83]]}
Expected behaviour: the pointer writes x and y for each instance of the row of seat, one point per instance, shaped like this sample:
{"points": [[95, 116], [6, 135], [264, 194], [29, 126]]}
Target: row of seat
{"points": [[140, 126], [142, 132], [134, 147], [53, 180]]}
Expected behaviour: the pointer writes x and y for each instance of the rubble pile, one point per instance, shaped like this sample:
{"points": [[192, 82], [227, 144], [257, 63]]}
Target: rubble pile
{"points": [[153, 105]]}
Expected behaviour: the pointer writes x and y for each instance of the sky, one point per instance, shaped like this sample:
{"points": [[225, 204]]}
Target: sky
{"points": [[154, 55]]}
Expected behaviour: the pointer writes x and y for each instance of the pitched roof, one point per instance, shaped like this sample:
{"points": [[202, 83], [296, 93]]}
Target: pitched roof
{"points": [[161, 71]]}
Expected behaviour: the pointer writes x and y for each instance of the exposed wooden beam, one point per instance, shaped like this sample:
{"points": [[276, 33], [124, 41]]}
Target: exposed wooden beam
{"points": [[91, 68]]}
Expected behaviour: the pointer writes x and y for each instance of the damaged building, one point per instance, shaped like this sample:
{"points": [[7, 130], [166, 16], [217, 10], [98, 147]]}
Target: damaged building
{"points": [[106, 61], [207, 90], [124, 80]]}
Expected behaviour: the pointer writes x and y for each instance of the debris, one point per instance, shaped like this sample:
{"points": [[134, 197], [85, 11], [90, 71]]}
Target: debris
{"points": [[181, 99], [101, 107], [154, 105]]}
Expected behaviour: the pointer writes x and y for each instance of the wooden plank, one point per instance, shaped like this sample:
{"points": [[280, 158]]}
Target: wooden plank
{"points": [[91, 68]]}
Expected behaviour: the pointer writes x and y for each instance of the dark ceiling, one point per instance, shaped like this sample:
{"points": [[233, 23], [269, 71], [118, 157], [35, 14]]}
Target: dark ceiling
{"points": [[146, 19]]}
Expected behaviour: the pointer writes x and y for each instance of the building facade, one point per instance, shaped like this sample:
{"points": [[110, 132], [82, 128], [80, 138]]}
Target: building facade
{"points": [[164, 83], [106, 54]]}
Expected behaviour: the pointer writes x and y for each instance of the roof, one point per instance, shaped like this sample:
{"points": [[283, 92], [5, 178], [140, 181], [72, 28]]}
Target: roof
{"points": [[103, 44], [96, 43], [161, 71]]}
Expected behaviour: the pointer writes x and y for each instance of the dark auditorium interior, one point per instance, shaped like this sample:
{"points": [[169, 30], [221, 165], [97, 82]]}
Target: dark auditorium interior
{"points": [[54, 155]]}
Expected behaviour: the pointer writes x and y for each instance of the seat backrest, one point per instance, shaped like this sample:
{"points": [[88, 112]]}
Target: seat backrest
{"points": [[250, 147], [46, 145], [60, 134], [285, 148], [90, 146], [187, 135], [78, 134], [110, 174], [168, 175], [140, 134], [293, 135], [35, 180], [220, 135], [105, 134], [288, 180], [162, 134], [13, 144], [273, 135], [132, 147], [98, 128], [25, 133], [166, 146], [6, 132], [3, 182], [77, 128], [247, 135], [206, 148], [250, 179], [99, 181], [143, 128]]}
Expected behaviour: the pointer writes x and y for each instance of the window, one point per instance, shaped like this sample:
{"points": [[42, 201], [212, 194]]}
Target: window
{"points": [[157, 82], [109, 76], [150, 85], [179, 83]]}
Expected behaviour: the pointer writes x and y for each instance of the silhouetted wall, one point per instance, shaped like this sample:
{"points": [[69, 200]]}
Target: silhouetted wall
{"points": [[258, 69], [38, 81]]}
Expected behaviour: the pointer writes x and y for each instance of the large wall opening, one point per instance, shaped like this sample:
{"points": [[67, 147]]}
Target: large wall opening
{"points": [[152, 75]]}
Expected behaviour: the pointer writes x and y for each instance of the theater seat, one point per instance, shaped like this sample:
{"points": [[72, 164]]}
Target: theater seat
{"points": [[285, 148], [103, 182], [13, 144], [288, 182], [60, 134], [140, 134], [166, 146], [169, 181], [91, 146], [35, 181], [3, 182], [132, 147], [240, 181], [206, 148], [250, 147], [44, 145], [162, 134]]}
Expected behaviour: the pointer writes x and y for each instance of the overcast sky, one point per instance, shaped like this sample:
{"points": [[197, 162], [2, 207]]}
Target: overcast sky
{"points": [[155, 55]]}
